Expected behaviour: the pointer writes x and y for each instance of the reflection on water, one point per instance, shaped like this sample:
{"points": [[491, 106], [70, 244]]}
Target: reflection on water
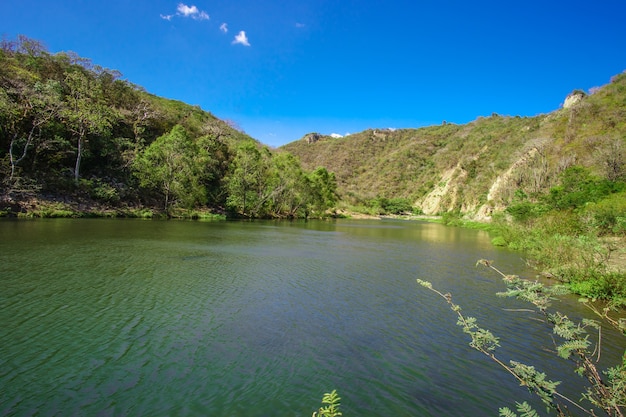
{"points": [[120, 317]]}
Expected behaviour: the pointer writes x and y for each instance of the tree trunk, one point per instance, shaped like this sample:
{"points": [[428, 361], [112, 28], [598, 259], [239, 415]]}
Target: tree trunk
{"points": [[79, 156]]}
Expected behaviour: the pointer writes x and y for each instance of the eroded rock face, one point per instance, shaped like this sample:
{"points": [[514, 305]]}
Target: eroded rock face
{"points": [[311, 137], [573, 98]]}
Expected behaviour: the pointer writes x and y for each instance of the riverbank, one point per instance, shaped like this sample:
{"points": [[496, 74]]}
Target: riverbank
{"points": [[55, 207], [592, 266]]}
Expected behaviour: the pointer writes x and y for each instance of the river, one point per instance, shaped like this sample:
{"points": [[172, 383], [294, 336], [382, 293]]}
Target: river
{"points": [[174, 318]]}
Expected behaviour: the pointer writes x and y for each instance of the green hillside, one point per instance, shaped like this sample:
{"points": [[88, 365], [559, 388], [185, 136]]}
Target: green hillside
{"points": [[480, 166], [78, 139]]}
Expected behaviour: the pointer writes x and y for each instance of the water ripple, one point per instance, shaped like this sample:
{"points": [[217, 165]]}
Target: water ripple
{"points": [[251, 319]]}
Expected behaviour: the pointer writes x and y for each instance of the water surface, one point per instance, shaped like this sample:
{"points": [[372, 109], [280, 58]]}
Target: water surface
{"points": [[160, 318]]}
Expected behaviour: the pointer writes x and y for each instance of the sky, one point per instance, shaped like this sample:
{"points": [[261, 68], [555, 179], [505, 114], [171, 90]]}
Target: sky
{"points": [[280, 69]]}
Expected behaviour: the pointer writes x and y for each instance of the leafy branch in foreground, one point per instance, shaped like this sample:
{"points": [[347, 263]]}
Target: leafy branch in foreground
{"points": [[608, 395], [332, 409]]}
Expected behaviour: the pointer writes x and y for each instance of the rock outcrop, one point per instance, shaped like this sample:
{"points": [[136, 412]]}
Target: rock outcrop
{"points": [[312, 137], [573, 98]]}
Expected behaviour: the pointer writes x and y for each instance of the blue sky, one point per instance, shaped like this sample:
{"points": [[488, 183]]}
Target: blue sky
{"points": [[281, 69]]}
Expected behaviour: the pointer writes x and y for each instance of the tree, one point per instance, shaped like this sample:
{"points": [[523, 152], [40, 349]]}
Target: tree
{"points": [[171, 166], [323, 190], [289, 186], [35, 107], [214, 157], [246, 181], [27, 104], [86, 112], [614, 160]]}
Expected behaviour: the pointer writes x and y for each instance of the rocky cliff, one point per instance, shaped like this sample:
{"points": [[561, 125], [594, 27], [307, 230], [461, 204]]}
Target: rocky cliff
{"points": [[478, 168]]}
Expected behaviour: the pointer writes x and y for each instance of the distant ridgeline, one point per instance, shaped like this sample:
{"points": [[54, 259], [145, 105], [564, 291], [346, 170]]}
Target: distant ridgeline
{"points": [[75, 132], [483, 166]]}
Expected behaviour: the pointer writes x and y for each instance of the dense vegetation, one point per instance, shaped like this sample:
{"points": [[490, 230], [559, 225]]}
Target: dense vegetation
{"points": [[76, 138], [78, 134], [481, 166], [553, 185]]}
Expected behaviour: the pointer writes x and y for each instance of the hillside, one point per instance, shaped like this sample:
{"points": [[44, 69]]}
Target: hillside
{"points": [[79, 136], [480, 166]]}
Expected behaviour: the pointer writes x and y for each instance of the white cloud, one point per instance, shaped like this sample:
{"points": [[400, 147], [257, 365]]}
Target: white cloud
{"points": [[241, 38], [300, 25], [336, 135], [224, 27], [187, 11]]}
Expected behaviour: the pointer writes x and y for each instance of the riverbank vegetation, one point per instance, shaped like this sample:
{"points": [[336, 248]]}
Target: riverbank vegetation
{"points": [[575, 233], [551, 186], [78, 140]]}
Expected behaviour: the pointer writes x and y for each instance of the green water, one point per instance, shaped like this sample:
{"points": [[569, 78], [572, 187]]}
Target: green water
{"points": [[158, 318]]}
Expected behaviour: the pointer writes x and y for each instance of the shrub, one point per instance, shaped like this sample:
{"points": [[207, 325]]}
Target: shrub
{"points": [[609, 214], [396, 205], [605, 390]]}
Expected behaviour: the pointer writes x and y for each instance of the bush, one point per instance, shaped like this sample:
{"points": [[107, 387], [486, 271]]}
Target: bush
{"points": [[523, 212], [579, 187], [397, 206], [609, 214], [104, 192]]}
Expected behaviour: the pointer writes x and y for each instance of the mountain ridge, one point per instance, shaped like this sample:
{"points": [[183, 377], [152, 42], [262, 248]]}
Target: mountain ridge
{"points": [[476, 168]]}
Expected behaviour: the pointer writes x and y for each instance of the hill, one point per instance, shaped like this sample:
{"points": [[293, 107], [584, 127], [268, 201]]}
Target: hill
{"points": [[479, 167], [78, 134]]}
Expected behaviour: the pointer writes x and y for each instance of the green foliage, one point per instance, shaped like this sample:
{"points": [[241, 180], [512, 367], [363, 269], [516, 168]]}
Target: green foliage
{"points": [[398, 205], [262, 184], [86, 112], [609, 214], [609, 285], [332, 409], [171, 166], [51, 210], [523, 408], [323, 190], [246, 182], [572, 245], [63, 118], [573, 343], [579, 187], [536, 382], [452, 218], [525, 211], [100, 190]]}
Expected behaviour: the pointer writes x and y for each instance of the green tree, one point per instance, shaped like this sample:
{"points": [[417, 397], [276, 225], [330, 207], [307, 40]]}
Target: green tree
{"points": [[247, 179], [171, 166], [323, 190], [215, 156], [290, 187], [27, 105], [86, 112]]}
